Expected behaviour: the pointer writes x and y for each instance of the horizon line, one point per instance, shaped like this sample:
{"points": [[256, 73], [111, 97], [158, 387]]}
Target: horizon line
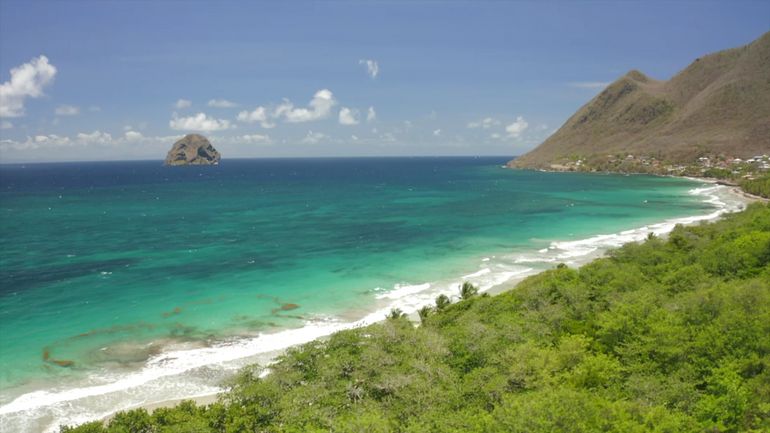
{"points": [[7, 163]]}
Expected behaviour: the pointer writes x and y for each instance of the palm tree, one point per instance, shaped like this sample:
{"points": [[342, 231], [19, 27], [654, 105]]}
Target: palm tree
{"points": [[442, 301], [424, 312], [468, 290], [395, 313]]}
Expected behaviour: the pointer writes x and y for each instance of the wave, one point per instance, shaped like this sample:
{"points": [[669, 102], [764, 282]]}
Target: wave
{"points": [[190, 372]]}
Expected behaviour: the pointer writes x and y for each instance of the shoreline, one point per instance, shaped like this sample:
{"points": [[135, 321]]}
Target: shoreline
{"points": [[494, 290], [575, 253]]}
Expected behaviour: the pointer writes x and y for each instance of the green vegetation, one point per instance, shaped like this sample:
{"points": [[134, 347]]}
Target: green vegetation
{"points": [[468, 290], [665, 336], [759, 186]]}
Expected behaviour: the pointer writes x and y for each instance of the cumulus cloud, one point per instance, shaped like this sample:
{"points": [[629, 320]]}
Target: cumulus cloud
{"points": [[258, 115], [371, 115], [372, 67], [183, 103], [95, 138], [484, 123], [515, 129], [133, 135], [27, 81], [318, 108], [313, 137], [67, 110], [255, 138], [348, 116], [51, 140], [221, 103], [437, 132], [198, 122], [589, 84]]}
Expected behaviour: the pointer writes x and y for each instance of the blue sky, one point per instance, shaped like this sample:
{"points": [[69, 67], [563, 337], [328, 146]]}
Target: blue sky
{"points": [[273, 79]]}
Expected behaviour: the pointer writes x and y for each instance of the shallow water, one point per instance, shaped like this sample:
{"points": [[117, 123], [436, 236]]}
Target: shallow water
{"points": [[133, 275]]}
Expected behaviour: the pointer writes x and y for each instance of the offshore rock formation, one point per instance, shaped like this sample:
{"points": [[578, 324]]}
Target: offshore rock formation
{"points": [[192, 149]]}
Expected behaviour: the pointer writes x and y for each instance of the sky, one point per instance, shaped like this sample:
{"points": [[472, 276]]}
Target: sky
{"points": [[112, 80]]}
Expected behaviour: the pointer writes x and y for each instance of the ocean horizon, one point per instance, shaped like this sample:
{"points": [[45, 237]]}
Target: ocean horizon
{"points": [[127, 283]]}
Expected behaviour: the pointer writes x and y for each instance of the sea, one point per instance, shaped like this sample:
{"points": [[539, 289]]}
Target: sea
{"points": [[125, 284]]}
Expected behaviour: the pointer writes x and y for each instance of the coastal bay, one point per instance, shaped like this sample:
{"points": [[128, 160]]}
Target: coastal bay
{"points": [[396, 234]]}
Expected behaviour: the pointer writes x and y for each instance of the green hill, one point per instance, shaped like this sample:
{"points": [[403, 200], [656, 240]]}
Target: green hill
{"points": [[719, 105]]}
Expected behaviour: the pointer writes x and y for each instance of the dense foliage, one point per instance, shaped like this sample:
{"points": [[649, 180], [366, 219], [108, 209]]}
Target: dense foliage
{"points": [[664, 336], [759, 186]]}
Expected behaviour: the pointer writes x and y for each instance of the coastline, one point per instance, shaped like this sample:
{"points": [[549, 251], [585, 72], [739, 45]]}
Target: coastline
{"points": [[505, 286], [409, 298]]}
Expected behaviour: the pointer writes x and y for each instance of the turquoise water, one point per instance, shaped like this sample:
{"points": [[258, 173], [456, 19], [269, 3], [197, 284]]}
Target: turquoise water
{"points": [[104, 265]]}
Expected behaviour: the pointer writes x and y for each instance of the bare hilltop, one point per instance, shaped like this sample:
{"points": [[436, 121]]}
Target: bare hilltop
{"points": [[719, 106]]}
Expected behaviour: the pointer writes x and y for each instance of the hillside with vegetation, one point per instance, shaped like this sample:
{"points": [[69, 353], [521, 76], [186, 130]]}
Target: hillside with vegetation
{"points": [[759, 186], [718, 107], [664, 336]]}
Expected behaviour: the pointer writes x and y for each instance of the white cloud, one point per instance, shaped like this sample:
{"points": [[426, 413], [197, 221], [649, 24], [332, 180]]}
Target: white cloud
{"points": [[27, 81], [313, 137], [183, 103], [437, 132], [348, 116], [589, 84], [354, 137], [320, 107], [484, 123], [515, 129], [96, 137], [371, 115], [51, 139], [67, 110], [221, 103], [6, 124], [133, 136], [258, 115], [255, 138], [198, 122], [372, 67]]}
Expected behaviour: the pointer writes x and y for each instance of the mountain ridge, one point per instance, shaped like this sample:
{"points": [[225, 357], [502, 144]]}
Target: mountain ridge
{"points": [[718, 105]]}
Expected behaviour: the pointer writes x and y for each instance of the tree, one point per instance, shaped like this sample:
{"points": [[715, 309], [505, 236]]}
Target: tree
{"points": [[424, 312], [442, 301], [468, 290]]}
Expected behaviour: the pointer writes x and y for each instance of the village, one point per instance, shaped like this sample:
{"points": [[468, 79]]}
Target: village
{"points": [[710, 166]]}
